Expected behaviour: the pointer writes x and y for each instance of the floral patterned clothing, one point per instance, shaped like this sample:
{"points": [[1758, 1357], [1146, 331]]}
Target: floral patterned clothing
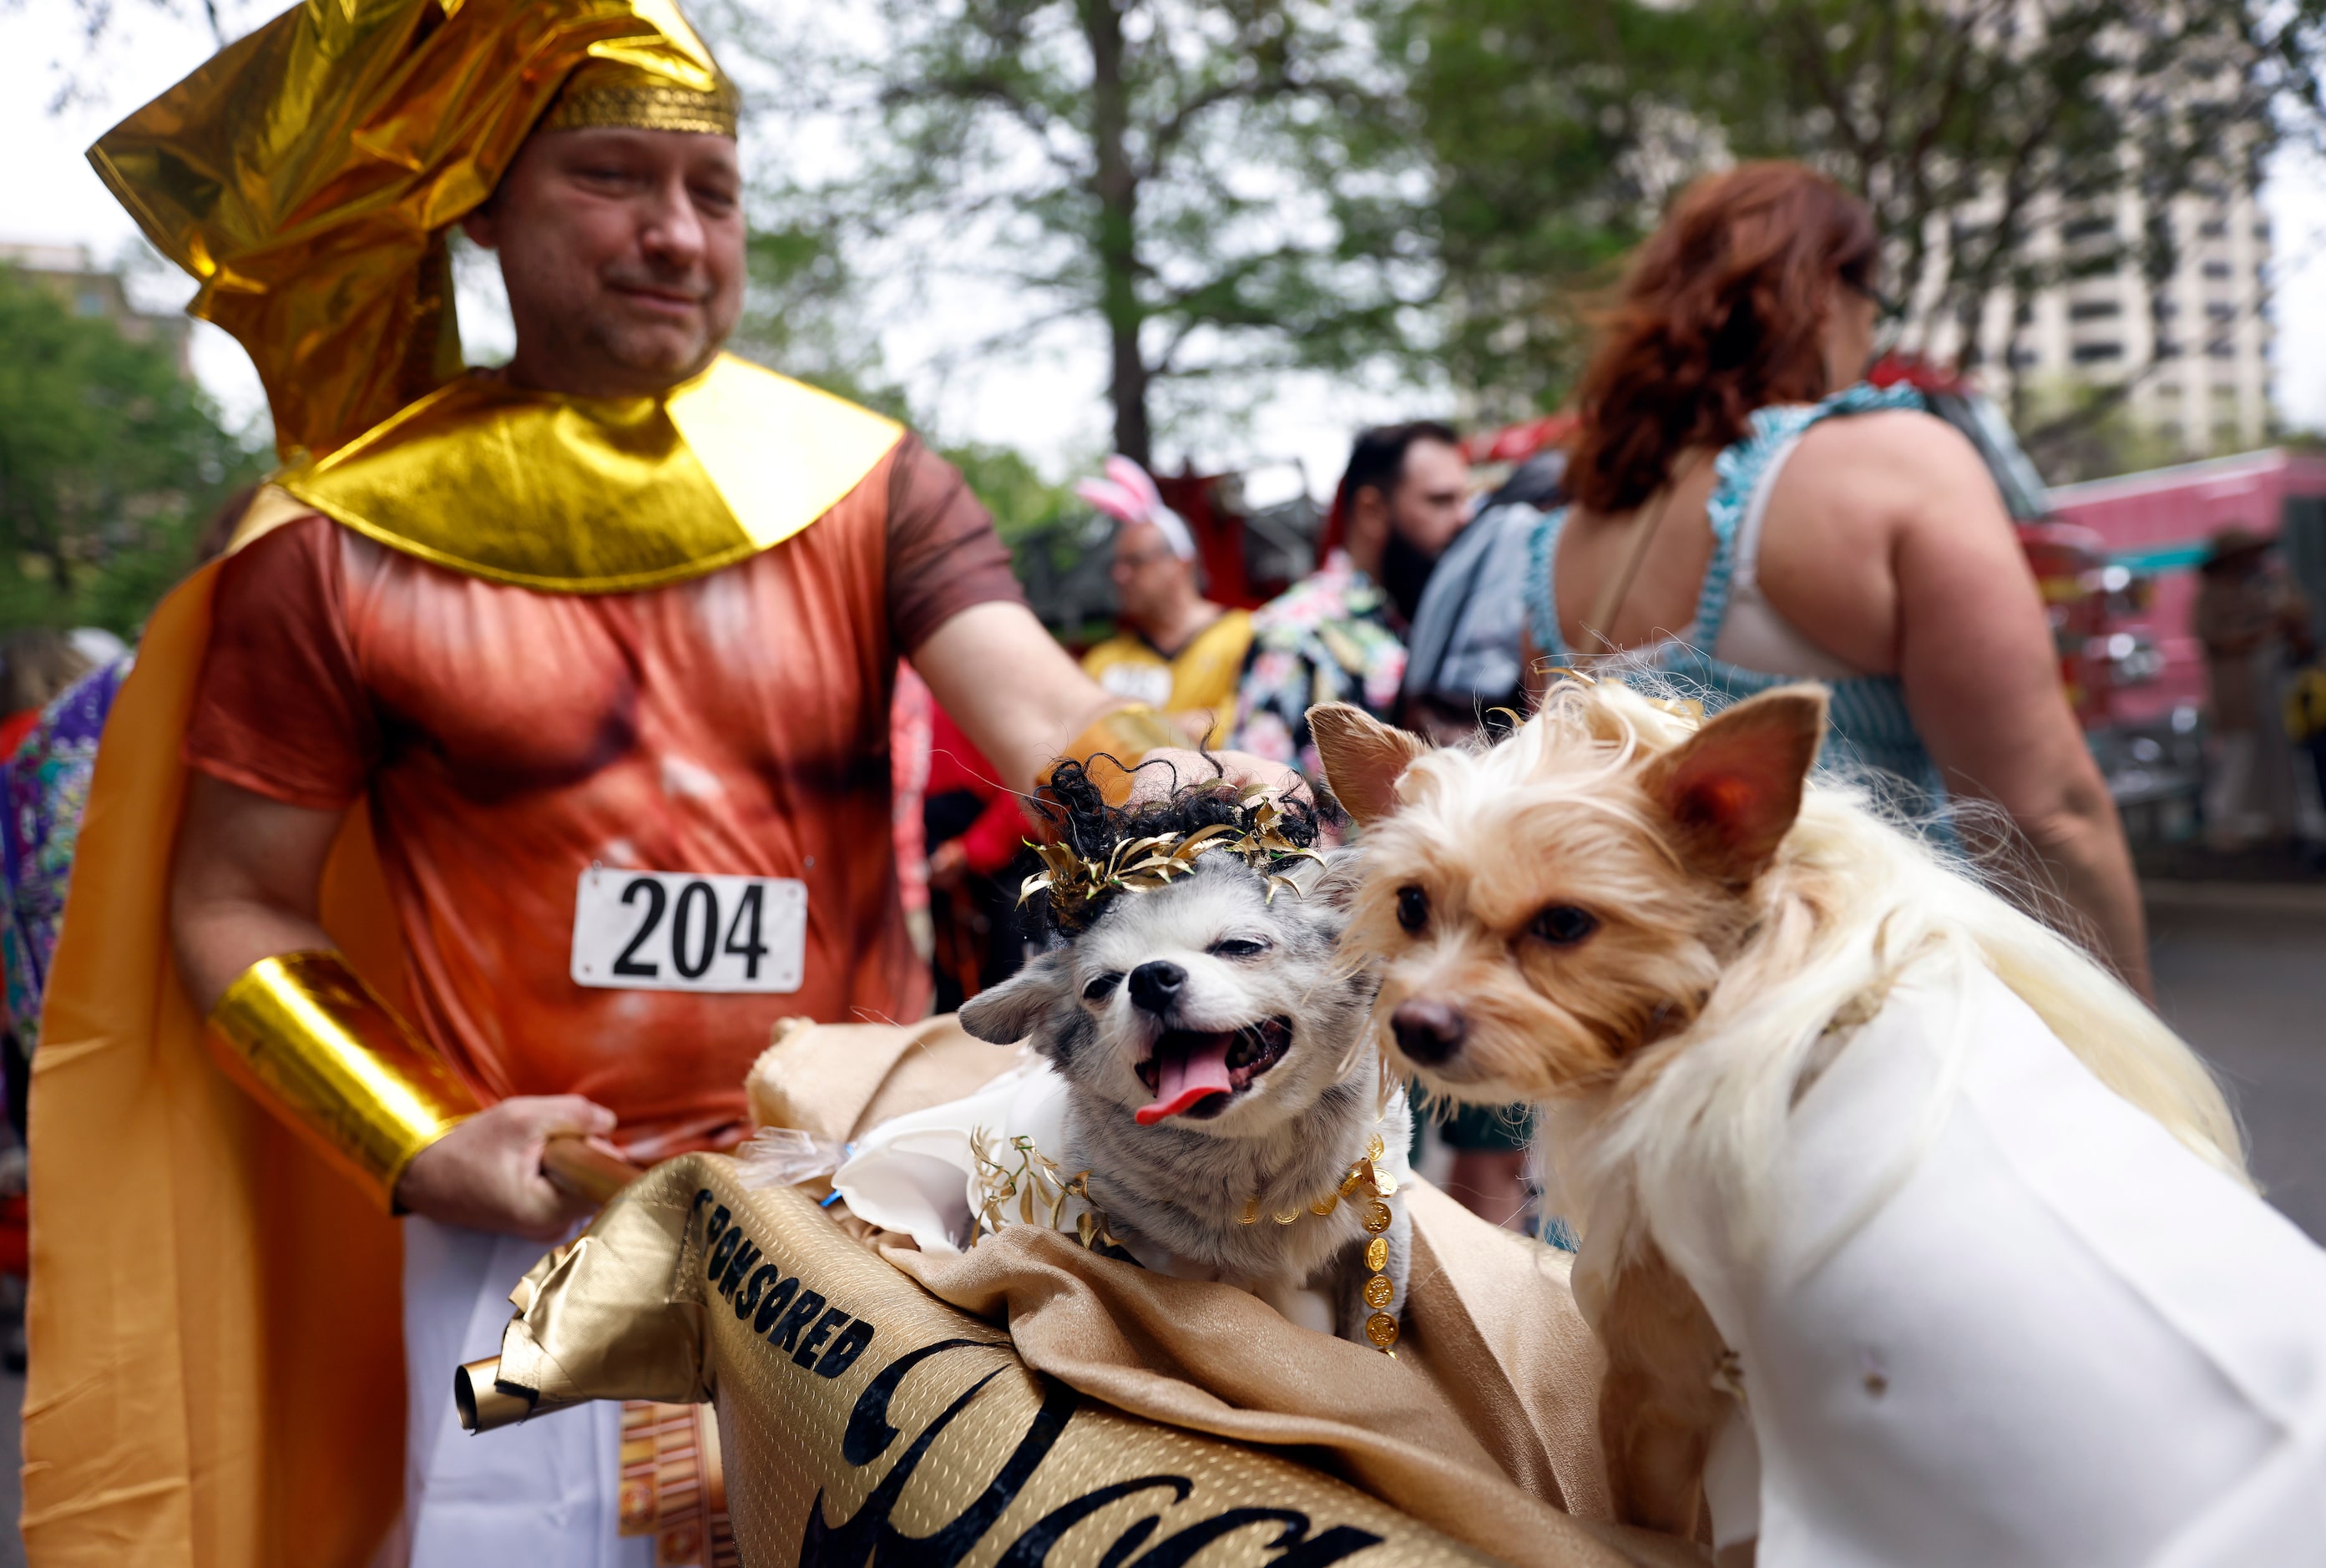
{"points": [[44, 787], [1325, 639]]}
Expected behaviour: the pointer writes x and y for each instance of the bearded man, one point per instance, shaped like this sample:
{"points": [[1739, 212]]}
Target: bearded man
{"points": [[1338, 634], [520, 767]]}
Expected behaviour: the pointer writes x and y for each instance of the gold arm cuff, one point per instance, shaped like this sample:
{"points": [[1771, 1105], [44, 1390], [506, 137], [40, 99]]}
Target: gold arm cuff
{"points": [[314, 1044], [1125, 735]]}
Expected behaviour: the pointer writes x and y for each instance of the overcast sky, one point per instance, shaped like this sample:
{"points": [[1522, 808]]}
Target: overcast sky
{"points": [[1054, 410]]}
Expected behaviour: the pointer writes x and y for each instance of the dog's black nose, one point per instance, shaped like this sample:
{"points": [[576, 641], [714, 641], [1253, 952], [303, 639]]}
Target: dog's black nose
{"points": [[1427, 1032], [1155, 986]]}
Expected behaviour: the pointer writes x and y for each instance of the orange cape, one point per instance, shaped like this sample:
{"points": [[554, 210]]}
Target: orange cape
{"points": [[216, 1362]]}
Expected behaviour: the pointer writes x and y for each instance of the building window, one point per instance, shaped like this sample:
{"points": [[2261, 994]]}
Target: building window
{"points": [[2168, 389], [2093, 354], [2216, 269], [2093, 309], [2167, 307], [2212, 228], [2221, 350], [2086, 228], [2166, 348], [2022, 358], [2221, 310]]}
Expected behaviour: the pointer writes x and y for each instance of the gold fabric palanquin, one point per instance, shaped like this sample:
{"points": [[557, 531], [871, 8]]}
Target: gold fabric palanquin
{"points": [[860, 1418]]}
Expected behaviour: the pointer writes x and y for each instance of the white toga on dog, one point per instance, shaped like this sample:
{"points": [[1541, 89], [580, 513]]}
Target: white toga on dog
{"points": [[2060, 1338]]}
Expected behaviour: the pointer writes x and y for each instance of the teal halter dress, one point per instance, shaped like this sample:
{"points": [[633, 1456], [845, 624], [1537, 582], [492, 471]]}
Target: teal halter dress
{"points": [[1871, 737]]}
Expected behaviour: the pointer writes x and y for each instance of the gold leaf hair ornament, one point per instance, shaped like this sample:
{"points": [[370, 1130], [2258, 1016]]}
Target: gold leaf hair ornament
{"points": [[1076, 882]]}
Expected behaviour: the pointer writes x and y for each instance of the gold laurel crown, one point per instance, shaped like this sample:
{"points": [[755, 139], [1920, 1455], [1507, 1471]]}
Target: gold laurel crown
{"points": [[1075, 882]]}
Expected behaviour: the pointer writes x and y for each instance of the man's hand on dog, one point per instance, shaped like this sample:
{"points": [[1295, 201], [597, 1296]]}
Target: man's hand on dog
{"points": [[1150, 782]]}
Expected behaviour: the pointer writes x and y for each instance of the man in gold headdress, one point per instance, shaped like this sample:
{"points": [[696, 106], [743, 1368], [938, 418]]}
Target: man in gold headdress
{"points": [[601, 643]]}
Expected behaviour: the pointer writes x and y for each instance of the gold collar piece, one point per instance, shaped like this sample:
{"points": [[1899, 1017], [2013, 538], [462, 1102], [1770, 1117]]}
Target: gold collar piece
{"points": [[577, 495]]}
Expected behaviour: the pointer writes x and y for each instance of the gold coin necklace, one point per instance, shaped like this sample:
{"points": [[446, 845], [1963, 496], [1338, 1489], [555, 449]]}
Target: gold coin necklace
{"points": [[1368, 1186]]}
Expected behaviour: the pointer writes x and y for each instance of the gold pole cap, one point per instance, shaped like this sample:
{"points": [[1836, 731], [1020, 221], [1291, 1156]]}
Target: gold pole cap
{"points": [[486, 1403]]}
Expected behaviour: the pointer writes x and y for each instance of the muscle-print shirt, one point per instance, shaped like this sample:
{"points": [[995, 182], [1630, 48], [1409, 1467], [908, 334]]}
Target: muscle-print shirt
{"points": [[507, 739]]}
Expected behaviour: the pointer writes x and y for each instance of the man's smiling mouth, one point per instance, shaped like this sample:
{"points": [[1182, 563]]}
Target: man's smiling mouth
{"points": [[1199, 1073]]}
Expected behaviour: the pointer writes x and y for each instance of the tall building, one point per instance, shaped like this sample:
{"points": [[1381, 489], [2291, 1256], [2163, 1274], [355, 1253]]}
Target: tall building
{"points": [[67, 272], [2196, 348]]}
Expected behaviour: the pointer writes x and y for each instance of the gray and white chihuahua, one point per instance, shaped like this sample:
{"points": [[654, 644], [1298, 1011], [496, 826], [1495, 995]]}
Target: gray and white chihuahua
{"points": [[1221, 1079]]}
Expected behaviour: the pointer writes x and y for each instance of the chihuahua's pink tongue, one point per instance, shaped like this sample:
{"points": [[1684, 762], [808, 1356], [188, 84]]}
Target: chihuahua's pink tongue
{"points": [[1184, 1082]]}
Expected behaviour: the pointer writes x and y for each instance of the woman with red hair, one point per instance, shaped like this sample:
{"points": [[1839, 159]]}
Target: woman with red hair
{"points": [[1748, 511]]}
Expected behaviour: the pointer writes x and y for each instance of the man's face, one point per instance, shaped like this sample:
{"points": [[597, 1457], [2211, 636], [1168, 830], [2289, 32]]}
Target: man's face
{"points": [[1147, 575], [623, 253], [1427, 507]]}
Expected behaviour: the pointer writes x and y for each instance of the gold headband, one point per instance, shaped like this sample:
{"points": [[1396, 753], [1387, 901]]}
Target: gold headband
{"points": [[599, 95]]}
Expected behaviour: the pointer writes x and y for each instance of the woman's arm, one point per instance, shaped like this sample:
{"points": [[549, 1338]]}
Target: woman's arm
{"points": [[1895, 547]]}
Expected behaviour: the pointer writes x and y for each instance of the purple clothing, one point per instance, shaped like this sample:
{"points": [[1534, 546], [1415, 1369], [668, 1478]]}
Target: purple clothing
{"points": [[43, 789]]}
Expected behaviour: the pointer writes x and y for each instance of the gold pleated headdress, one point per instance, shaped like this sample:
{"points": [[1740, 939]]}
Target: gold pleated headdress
{"points": [[306, 175]]}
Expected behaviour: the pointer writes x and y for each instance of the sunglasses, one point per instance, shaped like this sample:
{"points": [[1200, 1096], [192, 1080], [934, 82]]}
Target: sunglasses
{"points": [[1890, 311]]}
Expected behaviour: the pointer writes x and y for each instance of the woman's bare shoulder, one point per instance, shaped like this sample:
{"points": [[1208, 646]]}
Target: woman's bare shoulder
{"points": [[1888, 458], [1901, 443]]}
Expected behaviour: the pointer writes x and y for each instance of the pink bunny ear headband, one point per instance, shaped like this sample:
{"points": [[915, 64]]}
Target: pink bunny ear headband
{"points": [[1127, 495]]}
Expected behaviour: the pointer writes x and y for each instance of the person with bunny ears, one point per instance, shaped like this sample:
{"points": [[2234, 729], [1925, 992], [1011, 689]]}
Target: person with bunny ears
{"points": [[1173, 649]]}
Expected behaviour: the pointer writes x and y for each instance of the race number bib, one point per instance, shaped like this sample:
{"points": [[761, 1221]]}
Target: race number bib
{"points": [[662, 930]]}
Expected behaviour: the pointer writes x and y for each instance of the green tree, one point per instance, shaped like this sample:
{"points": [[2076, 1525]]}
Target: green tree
{"points": [[803, 315], [1555, 129], [1975, 127], [1979, 127], [1217, 187], [110, 463]]}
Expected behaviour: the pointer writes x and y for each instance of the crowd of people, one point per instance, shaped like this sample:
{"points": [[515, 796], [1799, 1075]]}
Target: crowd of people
{"points": [[501, 660]]}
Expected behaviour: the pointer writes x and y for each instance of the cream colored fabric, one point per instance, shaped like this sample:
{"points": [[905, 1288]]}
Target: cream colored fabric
{"points": [[837, 1080], [927, 1437], [1484, 1425]]}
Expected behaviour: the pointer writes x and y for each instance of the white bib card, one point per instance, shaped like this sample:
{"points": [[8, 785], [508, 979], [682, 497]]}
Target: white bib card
{"points": [[662, 930]]}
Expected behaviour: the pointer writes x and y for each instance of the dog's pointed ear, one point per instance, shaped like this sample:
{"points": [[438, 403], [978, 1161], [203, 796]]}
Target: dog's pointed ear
{"points": [[1363, 758], [1734, 788], [1008, 1014]]}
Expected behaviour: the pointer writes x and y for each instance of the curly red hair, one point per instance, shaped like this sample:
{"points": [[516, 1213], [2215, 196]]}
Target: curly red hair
{"points": [[1722, 312]]}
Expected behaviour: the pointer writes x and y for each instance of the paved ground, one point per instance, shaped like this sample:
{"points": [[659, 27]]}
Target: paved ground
{"points": [[12, 1545], [2240, 973]]}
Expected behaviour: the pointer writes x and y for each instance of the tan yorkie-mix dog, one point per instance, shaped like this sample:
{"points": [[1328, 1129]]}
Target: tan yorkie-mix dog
{"points": [[1615, 890]]}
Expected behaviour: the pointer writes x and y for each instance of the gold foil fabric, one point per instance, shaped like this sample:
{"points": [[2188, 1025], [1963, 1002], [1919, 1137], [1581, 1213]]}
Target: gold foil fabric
{"points": [[305, 176], [312, 1042], [599, 495], [859, 1418]]}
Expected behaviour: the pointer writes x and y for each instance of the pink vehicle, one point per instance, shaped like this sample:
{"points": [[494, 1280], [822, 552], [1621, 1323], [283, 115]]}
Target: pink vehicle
{"points": [[2155, 525]]}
